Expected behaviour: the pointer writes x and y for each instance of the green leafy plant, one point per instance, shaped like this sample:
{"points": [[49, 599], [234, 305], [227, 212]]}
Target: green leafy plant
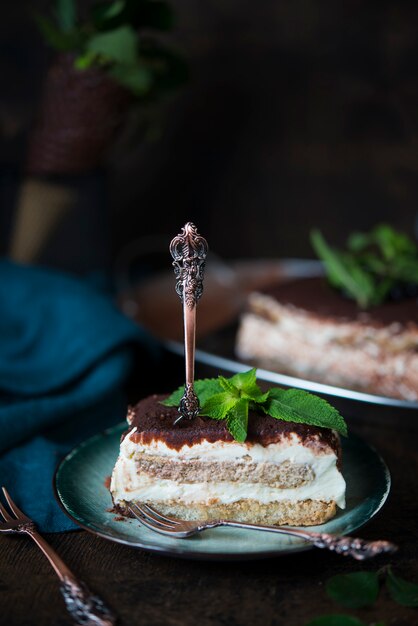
{"points": [[354, 591], [401, 591], [115, 36], [374, 267], [232, 398], [361, 589]]}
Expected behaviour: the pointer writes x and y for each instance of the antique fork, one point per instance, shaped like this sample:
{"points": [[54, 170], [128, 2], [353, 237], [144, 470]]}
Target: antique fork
{"points": [[85, 608], [347, 546], [189, 250]]}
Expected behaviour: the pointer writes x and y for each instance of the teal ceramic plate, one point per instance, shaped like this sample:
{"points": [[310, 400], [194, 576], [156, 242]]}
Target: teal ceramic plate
{"points": [[81, 491]]}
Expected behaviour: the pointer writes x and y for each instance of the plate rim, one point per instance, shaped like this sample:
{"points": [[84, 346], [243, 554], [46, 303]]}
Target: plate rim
{"points": [[234, 366], [201, 556]]}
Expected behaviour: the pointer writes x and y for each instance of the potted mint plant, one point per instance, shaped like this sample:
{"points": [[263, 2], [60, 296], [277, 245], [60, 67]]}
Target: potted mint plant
{"points": [[106, 58]]}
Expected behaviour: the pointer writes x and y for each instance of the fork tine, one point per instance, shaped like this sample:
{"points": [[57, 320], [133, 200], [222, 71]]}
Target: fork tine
{"points": [[19, 514], [139, 516], [159, 515], [5, 515], [150, 519], [153, 516], [158, 529], [141, 519]]}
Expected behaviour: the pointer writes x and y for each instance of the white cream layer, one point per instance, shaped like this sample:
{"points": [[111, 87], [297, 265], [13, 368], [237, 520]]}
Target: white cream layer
{"points": [[289, 448], [312, 330], [129, 484]]}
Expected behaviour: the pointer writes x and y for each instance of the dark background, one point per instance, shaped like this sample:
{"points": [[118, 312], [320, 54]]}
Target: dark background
{"points": [[297, 114]]}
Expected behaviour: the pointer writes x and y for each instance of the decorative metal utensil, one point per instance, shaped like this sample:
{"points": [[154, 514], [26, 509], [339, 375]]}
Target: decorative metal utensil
{"points": [[189, 252], [85, 608], [355, 547]]}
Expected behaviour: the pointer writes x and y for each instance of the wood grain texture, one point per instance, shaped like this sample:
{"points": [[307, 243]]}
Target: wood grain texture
{"points": [[154, 591]]}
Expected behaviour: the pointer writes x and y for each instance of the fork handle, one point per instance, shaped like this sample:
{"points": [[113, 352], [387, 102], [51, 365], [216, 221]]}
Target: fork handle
{"points": [[61, 570], [84, 607], [189, 251], [359, 549]]}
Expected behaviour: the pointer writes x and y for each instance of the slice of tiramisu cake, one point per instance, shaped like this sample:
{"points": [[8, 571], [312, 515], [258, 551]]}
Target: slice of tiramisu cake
{"points": [[306, 328], [356, 327], [240, 462]]}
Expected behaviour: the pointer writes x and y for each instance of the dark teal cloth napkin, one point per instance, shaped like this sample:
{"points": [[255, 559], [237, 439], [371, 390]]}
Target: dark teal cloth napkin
{"points": [[65, 354]]}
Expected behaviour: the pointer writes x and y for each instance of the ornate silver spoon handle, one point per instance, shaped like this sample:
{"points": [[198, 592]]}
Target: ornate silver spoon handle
{"points": [[189, 252], [85, 607], [355, 547]]}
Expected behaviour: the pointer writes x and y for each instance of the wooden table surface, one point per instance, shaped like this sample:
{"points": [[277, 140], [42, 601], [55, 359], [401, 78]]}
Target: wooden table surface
{"points": [[151, 590]]}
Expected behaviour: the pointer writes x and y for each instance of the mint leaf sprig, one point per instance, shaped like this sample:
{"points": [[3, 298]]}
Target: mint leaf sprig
{"points": [[355, 590], [232, 398], [120, 38], [401, 591], [373, 266], [360, 590]]}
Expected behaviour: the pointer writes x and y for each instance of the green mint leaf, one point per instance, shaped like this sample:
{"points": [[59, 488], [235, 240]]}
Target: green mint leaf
{"points": [[228, 385], [258, 397], [218, 406], [231, 398], [244, 380], [365, 289], [84, 61], [204, 388], [295, 405], [55, 37], [401, 591], [237, 420], [335, 620], [344, 271], [391, 242], [105, 12], [113, 9], [246, 385], [354, 591], [375, 263], [254, 393], [119, 45], [174, 398], [66, 15], [357, 242], [136, 79], [404, 269]]}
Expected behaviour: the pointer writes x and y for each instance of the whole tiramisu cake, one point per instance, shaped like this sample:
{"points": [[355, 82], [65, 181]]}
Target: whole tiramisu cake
{"points": [[241, 461], [351, 328]]}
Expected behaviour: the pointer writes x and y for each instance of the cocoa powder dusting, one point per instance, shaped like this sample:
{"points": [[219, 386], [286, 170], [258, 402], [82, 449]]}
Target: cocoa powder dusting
{"points": [[315, 296], [155, 422]]}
